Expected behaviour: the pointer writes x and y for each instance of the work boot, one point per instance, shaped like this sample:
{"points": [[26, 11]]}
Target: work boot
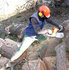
{"points": [[8, 65]]}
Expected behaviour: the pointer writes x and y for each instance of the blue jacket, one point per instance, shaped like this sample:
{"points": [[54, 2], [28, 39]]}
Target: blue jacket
{"points": [[30, 31]]}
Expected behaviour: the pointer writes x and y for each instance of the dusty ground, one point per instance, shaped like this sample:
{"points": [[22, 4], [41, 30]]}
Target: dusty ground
{"points": [[58, 14]]}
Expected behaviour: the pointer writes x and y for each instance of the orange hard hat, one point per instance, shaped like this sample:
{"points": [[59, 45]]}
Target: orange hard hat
{"points": [[45, 10]]}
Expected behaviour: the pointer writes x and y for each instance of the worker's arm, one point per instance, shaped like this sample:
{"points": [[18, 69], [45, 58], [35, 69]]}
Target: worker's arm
{"points": [[36, 26], [61, 28]]}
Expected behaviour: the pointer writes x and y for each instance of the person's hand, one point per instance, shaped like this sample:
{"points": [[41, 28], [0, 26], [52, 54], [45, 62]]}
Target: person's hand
{"points": [[61, 29]]}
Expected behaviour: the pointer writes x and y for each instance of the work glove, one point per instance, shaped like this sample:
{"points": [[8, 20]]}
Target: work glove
{"points": [[61, 28]]}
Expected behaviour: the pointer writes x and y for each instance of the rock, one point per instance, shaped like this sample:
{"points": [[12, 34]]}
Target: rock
{"points": [[1, 42], [8, 47], [3, 68], [51, 60], [66, 2], [3, 61], [58, 2], [16, 29], [66, 25], [61, 56], [66, 32], [61, 3], [30, 65], [9, 8], [52, 42], [68, 60], [35, 64]]}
